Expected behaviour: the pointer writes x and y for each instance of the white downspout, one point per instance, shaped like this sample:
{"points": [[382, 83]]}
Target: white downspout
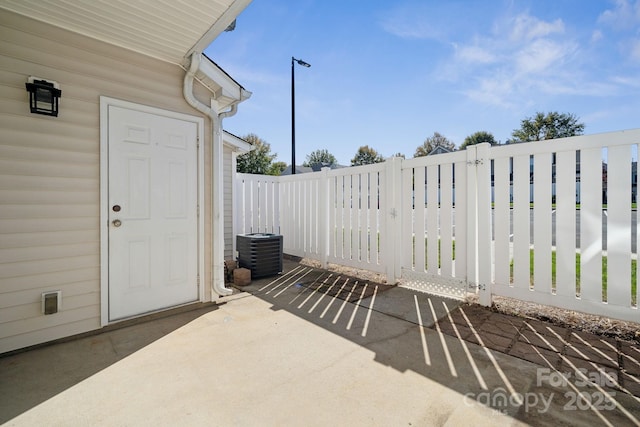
{"points": [[217, 228]]}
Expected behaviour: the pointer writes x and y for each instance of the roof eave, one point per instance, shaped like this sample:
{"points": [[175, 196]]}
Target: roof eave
{"points": [[236, 143], [217, 28]]}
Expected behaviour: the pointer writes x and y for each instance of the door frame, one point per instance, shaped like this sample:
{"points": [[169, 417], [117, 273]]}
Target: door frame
{"points": [[105, 103]]}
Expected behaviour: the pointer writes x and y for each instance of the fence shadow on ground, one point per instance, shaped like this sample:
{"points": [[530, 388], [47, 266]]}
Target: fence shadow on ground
{"points": [[465, 347]]}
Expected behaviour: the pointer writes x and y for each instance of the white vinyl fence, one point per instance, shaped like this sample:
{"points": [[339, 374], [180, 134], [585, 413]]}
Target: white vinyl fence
{"points": [[497, 220], [331, 216]]}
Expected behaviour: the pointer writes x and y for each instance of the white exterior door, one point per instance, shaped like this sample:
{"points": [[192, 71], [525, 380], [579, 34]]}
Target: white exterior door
{"points": [[153, 212]]}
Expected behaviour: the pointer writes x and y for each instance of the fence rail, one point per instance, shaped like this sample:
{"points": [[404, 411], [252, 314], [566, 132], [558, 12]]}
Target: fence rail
{"points": [[497, 220]]}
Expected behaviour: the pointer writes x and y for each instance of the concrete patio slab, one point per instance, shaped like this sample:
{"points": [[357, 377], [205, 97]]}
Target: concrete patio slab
{"points": [[290, 352]]}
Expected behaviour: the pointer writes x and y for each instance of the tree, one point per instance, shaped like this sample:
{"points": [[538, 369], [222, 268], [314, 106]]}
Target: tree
{"points": [[550, 126], [477, 138], [258, 160], [366, 156], [431, 142], [320, 156], [277, 168]]}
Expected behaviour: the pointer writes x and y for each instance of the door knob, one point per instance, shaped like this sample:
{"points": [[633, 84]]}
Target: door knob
{"points": [[116, 223]]}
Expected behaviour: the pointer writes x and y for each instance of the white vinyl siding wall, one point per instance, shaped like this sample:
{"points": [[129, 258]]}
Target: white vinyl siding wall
{"points": [[50, 169]]}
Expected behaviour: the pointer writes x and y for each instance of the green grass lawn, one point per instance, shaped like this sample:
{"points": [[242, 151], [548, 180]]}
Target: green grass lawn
{"points": [[634, 269]]}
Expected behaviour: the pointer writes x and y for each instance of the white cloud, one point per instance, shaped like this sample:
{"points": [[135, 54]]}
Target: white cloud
{"points": [[525, 27], [526, 59], [624, 19], [541, 55], [474, 55], [494, 90], [515, 62], [624, 16]]}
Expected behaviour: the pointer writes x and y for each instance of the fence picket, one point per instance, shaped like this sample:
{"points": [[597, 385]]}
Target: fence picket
{"points": [[419, 227], [391, 235], [432, 219], [521, 222], [364, 215], [300, 216], [483, 230], [262, 205], [310, 197], [446, 215], [619, 226], [323, 216], [502, 222], [340, 223], [461, 217], [350, 217], [240, 222], [566, 223], [378, 217], [332, 203], [255, 208], [542, 222], [275, 227], [406, 216], [591, 225], [373, 206]]}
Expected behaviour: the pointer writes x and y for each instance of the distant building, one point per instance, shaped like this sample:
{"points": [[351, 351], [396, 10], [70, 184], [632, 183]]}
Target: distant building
{"points": [[439, 149], [315, 167], [299, 169]]}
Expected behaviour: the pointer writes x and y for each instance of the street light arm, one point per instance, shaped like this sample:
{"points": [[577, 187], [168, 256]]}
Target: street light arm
{"points": [[300, 62]]}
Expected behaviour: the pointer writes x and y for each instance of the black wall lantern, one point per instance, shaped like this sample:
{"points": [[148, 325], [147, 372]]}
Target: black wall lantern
{"points": [[43, 96]]}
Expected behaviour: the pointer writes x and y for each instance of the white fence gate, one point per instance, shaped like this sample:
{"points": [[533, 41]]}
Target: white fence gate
{"points": [[499, 220]]}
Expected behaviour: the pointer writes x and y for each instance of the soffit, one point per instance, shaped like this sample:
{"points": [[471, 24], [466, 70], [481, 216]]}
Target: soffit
{"points": [[164, 29]]}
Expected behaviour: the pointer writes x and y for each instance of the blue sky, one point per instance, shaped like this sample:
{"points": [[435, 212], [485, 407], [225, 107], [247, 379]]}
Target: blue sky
{"points": [[388, 74]]}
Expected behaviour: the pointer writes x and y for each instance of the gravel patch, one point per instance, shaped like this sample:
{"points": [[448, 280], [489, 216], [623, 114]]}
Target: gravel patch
{"points": [[599, 325]]}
